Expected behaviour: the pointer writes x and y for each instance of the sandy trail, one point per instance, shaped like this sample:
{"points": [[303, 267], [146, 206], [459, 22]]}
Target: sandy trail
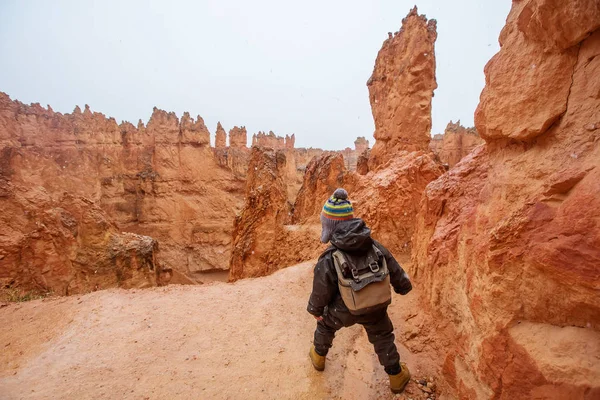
{"points": [[245, 340]]}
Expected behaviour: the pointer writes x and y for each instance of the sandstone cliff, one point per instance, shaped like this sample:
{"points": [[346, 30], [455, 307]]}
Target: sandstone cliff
{"points": [[68, 245], [387, 198], [456, 142], [160, 180], [401, 88], [507, 244]]}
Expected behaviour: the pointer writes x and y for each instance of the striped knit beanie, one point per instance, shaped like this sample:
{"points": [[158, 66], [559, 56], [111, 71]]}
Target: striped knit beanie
{"points": [[336, 209]]}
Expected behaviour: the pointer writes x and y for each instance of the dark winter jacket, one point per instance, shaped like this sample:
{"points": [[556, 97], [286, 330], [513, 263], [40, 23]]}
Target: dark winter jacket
{"points": [[352, 237]]}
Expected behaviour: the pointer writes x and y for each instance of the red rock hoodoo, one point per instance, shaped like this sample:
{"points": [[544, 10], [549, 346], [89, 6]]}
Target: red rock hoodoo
{"points": [[238, 137], [290, 141], [456, 142], [220, 137], [507, 243], [401, 88]]}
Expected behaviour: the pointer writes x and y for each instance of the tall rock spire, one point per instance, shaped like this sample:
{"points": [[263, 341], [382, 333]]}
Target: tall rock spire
{"points": [[401, 88]]}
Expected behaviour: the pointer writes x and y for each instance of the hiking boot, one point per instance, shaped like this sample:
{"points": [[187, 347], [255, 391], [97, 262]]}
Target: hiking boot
{"points": [[399, 381], [317, 361]]}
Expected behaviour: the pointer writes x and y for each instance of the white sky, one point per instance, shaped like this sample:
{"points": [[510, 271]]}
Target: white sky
{"points": [[292, 67]]}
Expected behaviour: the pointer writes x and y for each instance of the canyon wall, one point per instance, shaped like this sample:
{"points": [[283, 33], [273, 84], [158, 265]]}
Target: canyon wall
{"points": [[456, 142], [68, 245], [507, 243], [162, 180], [401, 88], [388, 198]]}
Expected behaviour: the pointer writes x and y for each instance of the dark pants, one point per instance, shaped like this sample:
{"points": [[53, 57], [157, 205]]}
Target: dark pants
{"points": [[380, 332]]}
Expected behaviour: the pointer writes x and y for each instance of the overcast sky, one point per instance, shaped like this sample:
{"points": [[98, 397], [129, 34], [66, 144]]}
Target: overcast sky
{"points": [[292, 67]]}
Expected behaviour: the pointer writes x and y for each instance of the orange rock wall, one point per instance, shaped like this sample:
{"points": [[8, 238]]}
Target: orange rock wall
{"points": [[401, 88], [68, 245], [388, 198], [162, 180], [507, 243]]}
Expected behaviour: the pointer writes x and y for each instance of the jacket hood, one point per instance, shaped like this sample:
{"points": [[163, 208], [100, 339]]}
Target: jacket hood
{"points": [[352, 236]]}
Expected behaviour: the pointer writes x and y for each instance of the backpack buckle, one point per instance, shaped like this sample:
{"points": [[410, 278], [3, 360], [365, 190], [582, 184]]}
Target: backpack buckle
{"points": [[374, 267], [355, 274]]}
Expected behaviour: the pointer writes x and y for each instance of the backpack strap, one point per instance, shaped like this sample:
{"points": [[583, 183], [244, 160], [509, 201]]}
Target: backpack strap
{"points": [[343, 265]]}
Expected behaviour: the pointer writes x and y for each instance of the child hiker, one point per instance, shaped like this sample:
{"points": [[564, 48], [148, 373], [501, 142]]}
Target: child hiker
{"points": [[351, 285]]}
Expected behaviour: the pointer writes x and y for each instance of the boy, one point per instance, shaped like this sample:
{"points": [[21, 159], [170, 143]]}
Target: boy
{"points": [[353, 239]]}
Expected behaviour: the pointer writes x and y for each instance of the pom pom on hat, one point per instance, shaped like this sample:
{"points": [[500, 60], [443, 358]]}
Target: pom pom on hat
{"points": [[340, 193]]}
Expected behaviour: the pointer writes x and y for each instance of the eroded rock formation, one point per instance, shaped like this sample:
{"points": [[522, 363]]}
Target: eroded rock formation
{"points": [[265, 212], [220, 137], [195, 133], [265, 237], [160, 180], [68, 245], [388, 198], [401, 88], [507, 245], [238, 137], [323, 175], [273, 141], [351, 155], [290, 141], [456, 142]]}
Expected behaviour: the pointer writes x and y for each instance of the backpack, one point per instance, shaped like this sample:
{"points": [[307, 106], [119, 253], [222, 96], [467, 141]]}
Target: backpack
{"points": [[364, 281]]}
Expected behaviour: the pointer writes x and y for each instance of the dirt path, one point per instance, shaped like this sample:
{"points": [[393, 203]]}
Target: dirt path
{"points": [[228, 341]]}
